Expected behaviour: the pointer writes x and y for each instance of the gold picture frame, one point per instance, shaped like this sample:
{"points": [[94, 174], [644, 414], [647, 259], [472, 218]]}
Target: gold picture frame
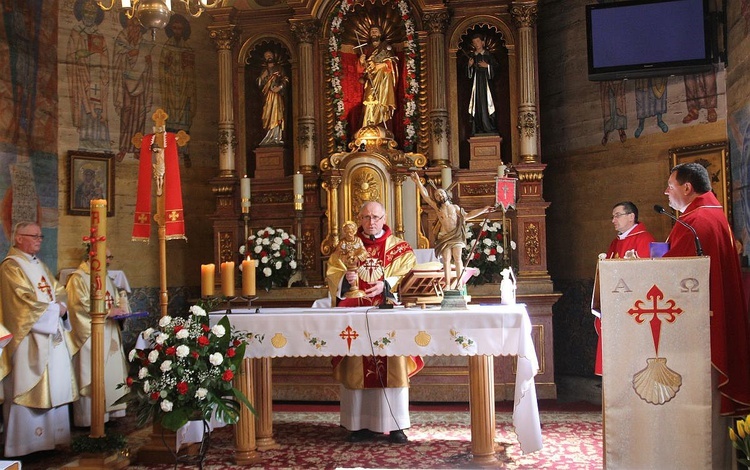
{"points": [[714, 156], [90, 176]]}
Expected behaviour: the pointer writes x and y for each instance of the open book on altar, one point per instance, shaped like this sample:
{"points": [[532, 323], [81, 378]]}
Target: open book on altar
{"points": [[425, 283]]}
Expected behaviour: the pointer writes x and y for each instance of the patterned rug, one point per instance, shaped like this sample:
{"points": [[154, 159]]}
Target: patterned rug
{"points": [[437, 439]]}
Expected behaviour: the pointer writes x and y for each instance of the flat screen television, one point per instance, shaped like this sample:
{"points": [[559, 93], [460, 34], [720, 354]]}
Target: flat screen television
{"points": [[646, 38]]}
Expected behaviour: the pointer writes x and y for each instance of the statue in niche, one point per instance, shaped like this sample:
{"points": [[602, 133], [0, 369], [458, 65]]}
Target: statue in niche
{"points": [[273, 83], [482, 69], [378, 66]]}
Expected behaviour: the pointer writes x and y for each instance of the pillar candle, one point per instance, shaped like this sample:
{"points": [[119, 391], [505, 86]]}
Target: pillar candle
{"points": [[208, 274], [501, 171], [245, 192], [446, 177], [227, 279], [248, 278], [299, 184], [98, 254]]}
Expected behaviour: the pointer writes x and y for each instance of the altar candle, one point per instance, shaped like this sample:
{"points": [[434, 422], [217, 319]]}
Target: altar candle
{"points": [[299, 184], [446, 177], [245, 192], [208, 273], [248, 278], [501, 170], [227, 279]]}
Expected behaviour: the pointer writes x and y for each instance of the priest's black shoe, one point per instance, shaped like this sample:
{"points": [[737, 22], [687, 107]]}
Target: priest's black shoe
{"points": [[360, 436], [398, 437]]}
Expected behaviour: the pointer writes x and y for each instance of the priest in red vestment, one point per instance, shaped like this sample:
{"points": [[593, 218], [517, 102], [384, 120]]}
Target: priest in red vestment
{"points": [[632, 241], [689, 191], [374, 389]]}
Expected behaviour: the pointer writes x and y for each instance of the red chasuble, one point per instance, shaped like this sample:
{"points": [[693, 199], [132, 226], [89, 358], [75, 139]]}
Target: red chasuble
{"points": [[730, 343]]}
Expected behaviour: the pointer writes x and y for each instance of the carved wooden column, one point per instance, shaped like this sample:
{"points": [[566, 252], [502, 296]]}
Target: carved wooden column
{"points": [[263, 404], [398, 210], [305, 32], [436, 23], [226, 218], [331, 184], [244, 431], [524, 16], [482, 409]]}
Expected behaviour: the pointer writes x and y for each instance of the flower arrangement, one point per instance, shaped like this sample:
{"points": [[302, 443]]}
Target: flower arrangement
{"points": [[490, 254], [412, 84], [741, 439], [188, 373], [275, 251]]}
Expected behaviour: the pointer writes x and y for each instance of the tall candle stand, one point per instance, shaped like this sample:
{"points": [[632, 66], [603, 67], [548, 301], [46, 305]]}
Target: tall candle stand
{"points": [[298, 214]]}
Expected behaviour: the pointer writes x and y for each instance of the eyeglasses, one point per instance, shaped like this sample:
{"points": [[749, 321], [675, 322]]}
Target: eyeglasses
{"points": [[110, 257], [617, 215], [35, 237], [371, 218]]}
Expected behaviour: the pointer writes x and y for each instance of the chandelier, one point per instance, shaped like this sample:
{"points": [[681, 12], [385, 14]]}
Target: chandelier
{"points": [[155, 14]]}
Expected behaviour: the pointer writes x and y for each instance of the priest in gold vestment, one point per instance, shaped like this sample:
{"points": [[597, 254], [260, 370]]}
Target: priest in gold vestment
{"points": [[35, 366], [374, 390], [115, 364]]}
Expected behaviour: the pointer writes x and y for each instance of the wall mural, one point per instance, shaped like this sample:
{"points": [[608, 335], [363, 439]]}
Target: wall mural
{"points": [[28, 123]]}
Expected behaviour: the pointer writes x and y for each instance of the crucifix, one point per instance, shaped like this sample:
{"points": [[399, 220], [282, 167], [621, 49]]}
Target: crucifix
{"points": [[158, 171]]}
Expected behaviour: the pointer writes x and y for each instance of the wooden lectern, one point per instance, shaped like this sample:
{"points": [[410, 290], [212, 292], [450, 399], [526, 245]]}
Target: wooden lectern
{"points": [[656, 362]]}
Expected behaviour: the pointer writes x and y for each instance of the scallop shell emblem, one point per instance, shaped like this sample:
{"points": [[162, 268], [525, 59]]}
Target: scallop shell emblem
{"points": [[278, 340], [657, 383], [423, 338]]}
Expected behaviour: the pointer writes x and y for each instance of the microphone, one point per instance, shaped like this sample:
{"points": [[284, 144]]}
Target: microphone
{"points": [[698, 249]]}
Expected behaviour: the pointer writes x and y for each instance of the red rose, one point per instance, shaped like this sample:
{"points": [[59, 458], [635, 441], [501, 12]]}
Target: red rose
{"points": [[203, 341], [231, 352], [171, 351], [182, 388], [206, 328], [157, 347], [129, 381], [154, 395], [405, 17], [407, 121], [177, 328], [236, 343], [477, 255], [263, 254], [227, 376], [282, 253], [493, 251], [141, 353], [195, 354]]}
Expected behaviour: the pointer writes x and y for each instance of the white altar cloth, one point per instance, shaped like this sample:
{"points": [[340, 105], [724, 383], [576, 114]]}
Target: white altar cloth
{"points": [[481, 330]]}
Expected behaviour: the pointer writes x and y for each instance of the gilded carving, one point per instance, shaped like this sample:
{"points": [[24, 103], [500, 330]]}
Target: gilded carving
{"points": [[524, 16], [305, 31], [226, 140], [306, 135], [224, 37], [476, 189], [527, 124], [226, 249], [365, 185], [531, 243], [423, 131], [307, 243], [436, 22], [438, 132], [271, 197]]}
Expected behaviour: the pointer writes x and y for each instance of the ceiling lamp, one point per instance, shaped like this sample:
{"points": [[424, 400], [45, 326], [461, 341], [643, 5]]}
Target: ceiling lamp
{"points": [[155, 14]]}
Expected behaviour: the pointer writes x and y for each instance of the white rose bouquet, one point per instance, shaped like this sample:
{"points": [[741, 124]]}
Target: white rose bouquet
{"points": [[490, 255], [276, 252]]}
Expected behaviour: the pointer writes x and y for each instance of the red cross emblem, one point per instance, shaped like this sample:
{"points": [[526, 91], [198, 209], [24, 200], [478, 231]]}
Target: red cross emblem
{"points": [[667, 310], [349, 334], [45, 287]]}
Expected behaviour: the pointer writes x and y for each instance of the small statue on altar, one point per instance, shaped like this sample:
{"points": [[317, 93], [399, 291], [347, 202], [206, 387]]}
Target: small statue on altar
{"points": [[272, 82], [450, 228], [352, 253], [378, 66]]}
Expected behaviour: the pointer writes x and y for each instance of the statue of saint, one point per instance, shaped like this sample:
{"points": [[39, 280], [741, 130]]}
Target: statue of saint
{"points": [[450, 228], [378, 66], [352, 253], [481, 71], [272, 82]]}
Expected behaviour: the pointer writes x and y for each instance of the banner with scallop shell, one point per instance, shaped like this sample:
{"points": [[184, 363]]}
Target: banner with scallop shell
{"points": [[656, 362]]}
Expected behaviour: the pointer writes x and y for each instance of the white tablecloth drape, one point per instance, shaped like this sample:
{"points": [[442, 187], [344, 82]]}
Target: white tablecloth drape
{"points": [[481, 330]]}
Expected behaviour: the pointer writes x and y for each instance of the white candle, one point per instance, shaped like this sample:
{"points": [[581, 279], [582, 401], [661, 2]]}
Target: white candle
{"points": [[501, 171], [446, 176], [299, 184], [245, 191]]}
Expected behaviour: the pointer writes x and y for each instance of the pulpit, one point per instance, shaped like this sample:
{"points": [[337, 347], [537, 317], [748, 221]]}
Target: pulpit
{"points": [[656, 362]]}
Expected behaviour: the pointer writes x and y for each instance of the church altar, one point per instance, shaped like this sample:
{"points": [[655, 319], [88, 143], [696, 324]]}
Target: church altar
{"points": [[479, 333]]}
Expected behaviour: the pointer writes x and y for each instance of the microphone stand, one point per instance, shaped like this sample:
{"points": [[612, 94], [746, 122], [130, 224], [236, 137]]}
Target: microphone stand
{"points": [[698, 248]]}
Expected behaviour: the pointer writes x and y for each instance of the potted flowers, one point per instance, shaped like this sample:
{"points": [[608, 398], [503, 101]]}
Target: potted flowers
{"points": [[741, 439], [489, 251], [275, 251], [188, 373]]}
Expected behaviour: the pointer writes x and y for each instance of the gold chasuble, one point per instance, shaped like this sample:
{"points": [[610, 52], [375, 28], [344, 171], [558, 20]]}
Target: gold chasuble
{"points": [[389, 258]]}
